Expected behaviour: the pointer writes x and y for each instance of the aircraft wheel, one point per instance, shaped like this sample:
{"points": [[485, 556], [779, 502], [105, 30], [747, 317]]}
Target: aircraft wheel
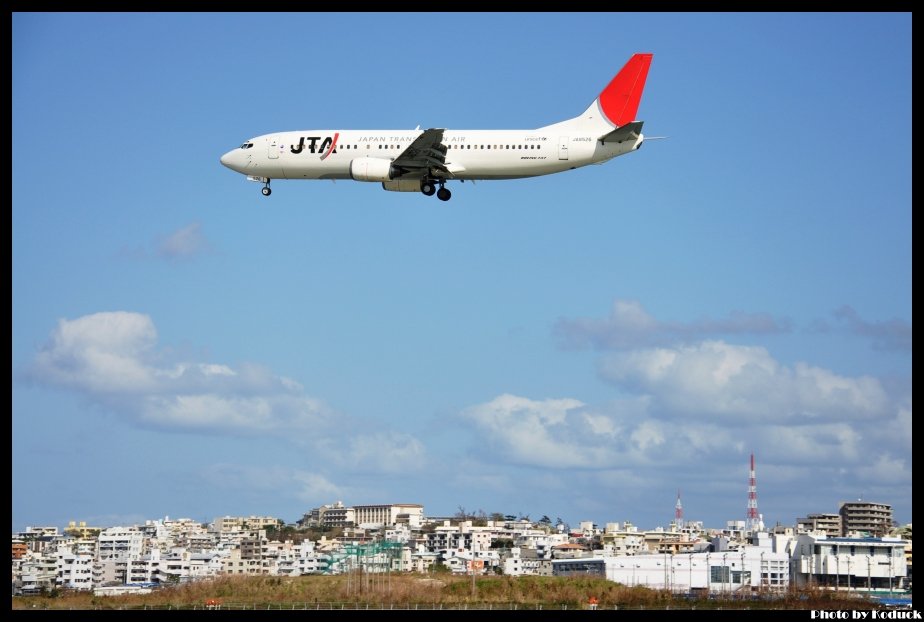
{"points": [[443, 194], [266, 191], [427, 188]]}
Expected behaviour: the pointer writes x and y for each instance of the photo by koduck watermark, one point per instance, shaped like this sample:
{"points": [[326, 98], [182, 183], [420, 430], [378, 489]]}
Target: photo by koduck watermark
{"points": [[873, 614]]}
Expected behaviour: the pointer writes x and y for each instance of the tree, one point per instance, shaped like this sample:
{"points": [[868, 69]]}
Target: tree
{"points": [[461, 514], [502, 543]]}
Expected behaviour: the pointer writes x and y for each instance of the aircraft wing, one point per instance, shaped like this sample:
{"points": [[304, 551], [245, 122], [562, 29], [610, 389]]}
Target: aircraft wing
{"points": [[629, 131], [424, 154]]}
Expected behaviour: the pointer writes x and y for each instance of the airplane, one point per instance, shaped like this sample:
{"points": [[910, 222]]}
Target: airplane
{"points": [[424, 160]]}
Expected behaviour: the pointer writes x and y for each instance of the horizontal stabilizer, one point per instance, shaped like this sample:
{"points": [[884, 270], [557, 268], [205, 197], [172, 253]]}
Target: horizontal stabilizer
{"points": [[629, 131]]}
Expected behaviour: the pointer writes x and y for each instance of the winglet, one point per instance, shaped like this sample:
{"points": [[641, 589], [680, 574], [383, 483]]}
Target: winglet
{"points": [[620, 99]]}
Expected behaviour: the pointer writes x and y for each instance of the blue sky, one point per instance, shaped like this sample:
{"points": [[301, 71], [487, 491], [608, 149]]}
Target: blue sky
{"points": [[580, 345]]}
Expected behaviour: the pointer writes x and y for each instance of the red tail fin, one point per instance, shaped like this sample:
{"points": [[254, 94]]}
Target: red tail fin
{"points": [[619, 100]]}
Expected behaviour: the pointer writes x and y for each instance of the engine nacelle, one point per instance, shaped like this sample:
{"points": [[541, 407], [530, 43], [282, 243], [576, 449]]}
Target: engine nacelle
{"points": [[372, 169], [402, 185]]}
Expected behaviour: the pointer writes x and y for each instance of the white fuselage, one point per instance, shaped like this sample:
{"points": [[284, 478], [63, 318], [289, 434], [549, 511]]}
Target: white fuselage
{"points": [[471, 154]]}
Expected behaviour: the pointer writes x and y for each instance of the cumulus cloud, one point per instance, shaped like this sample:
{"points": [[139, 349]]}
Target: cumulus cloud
{"points": [[568, 434], [531, 431], [100, 353], [732, 383], [183, 243], [691, 416], [636, 452], [565, 433], [690, 411], [112, 358], [630, 326]]}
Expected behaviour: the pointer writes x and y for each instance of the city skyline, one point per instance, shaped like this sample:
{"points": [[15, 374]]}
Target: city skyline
{"points": [[583, 344]]}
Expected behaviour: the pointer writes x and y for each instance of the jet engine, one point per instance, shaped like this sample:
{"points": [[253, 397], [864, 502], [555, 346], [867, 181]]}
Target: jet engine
{"points": [[402, 185], [372, 169]]}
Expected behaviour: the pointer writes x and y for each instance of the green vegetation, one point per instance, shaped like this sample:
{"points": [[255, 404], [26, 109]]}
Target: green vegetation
{"points": [[423, 591]]}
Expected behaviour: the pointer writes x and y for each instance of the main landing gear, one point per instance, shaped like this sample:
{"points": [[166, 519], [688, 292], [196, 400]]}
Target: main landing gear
{"points": [[428, 188]]}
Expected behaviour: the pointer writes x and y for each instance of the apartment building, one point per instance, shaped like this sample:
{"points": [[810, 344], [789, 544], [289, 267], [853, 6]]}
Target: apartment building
{"points": [[864, 517], [828, 524]]}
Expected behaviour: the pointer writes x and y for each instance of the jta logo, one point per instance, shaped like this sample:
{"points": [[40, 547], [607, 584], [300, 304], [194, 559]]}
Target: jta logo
{"points": [[328, 145]]}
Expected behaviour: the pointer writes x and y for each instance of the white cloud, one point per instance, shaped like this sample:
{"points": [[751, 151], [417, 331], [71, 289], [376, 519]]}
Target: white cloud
{"points": [[111, 358], [102, 352], [532, 432], [564, 433], [183, 243], [699, 411], [630, 326], [633, 459], [715, 380]]}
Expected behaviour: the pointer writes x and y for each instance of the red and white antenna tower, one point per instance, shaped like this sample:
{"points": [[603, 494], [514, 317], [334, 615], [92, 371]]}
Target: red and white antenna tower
{"points": [[753, 520], [678, 512]]}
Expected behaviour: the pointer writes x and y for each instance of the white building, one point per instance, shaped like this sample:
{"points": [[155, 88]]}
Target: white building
{"points": [[372, 516], [526, 562], [471, 562], [858, 564], [541, 542], [750, 568], [461, 537], [300, 559], [75, 571], [241, 523], [38, 572], [119, 543]]}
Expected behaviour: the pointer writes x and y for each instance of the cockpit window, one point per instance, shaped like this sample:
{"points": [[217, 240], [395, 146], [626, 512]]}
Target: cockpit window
{"points": [[246, 145]]}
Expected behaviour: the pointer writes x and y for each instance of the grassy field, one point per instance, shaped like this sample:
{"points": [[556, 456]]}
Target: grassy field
{"points": [[401, 591]]}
